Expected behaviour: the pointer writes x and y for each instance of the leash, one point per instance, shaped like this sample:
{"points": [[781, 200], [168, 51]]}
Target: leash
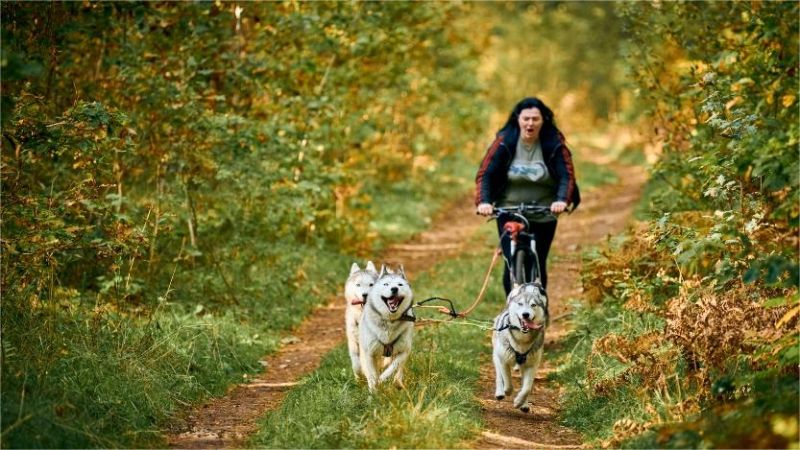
{"points": [[451, 311], [463, 314], [474, 323], [482, 292]]}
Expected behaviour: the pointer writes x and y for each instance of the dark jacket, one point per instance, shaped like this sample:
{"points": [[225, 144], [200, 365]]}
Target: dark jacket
{"points": [[492, 178]]}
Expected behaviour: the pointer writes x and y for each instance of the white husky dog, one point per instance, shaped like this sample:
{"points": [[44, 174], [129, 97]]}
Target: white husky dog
{"points": [[518, 338], [387, 328], [356, 288]]}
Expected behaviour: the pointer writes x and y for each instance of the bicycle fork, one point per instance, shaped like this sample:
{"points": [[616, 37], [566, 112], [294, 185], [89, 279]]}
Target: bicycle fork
{"points": [[533, 254]]}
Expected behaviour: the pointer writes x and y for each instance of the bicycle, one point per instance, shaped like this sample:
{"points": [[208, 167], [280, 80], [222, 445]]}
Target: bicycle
{"points": [[516, 227]]}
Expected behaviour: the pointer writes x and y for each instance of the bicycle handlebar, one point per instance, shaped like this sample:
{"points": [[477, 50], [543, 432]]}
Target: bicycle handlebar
{"points": [[521, 209], [518, 212]]}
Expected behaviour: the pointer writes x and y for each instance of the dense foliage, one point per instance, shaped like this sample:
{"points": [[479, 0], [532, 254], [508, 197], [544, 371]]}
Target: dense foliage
{"points": [[181, 183], [698, 307], [174, 167]]}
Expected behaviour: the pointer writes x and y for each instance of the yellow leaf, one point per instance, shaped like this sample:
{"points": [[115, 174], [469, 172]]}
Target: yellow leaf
{"points": [[788, 100], [788, 316]]}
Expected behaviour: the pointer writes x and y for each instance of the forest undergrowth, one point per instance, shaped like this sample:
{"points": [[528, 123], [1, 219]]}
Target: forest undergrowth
{"points": [[174, 196], [688, 334], [181, 183]]}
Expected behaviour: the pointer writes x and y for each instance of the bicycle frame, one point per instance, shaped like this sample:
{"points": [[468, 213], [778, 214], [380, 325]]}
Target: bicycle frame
{"points": [[517, 226]]}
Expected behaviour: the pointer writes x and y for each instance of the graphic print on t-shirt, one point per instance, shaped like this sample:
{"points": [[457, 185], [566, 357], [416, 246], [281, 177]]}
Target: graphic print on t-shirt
{"points": [[534, 171]]}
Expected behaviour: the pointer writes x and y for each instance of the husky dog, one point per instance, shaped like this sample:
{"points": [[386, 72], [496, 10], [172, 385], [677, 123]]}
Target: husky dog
{"points": [[356, 289], [387, 328], [518, 338]]}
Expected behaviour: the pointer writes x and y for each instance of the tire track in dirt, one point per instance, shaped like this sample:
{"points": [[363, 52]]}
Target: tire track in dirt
{"points": [[604, 211], [227, 421]]}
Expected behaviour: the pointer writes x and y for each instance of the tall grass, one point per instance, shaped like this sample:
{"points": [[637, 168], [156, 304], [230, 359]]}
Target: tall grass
{"points": [[438, 408], [81, 377], [107, 382], [593, 411], [631, 384]]}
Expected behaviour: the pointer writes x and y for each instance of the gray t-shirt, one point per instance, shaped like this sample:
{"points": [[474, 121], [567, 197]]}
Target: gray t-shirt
{"points": [[529, 181]]}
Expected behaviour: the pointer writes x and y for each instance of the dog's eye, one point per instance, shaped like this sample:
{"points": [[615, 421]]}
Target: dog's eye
{"points": [[399, 284], [385, 284], [371, 284]]}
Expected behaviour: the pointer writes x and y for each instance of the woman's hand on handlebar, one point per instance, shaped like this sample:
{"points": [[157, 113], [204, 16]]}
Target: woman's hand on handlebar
{"points": [[558, 207], [485, 209]]}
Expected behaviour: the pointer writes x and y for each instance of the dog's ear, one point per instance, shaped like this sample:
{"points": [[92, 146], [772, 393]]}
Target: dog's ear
{"points": [[354, 268], [383, 271], [402, 272], [371, 267]]}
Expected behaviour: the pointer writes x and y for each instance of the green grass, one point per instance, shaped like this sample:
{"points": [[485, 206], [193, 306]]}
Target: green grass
{"points": [[409, 206], [585, 410], [110, 379], [77, 378], [603, 143], [745, 406], [591, 175], [439, 407]]}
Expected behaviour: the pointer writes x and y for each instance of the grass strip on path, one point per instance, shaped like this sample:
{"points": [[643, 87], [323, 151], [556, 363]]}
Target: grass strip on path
{"points": [[438, 408]]}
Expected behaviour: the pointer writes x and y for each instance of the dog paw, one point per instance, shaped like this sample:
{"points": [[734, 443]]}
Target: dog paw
{"points": [[522, 404], [500, 396]]}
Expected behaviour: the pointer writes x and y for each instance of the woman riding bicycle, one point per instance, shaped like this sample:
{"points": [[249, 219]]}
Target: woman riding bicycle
{"points": [[529, 163]]}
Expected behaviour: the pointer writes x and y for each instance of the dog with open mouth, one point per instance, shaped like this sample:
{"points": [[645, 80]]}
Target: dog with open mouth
{"points": [[518, 339], [356, 288], [387, 328]]}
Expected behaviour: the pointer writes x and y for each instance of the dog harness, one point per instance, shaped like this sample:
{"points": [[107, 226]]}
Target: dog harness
{"points": [[407, 318], [388, 349], [520, 358]]}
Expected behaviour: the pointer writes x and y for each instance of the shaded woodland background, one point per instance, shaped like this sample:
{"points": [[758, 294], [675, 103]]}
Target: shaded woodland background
{"points": [[183, 181]]}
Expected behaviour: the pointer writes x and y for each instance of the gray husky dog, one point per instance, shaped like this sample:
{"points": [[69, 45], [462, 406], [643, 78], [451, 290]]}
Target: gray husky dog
{"points": [[387, 328], [356, 289], [518, 339]]}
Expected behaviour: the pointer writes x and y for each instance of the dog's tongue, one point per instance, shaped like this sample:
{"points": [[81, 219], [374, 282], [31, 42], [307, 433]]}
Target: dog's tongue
{"points": [[531, 325]]}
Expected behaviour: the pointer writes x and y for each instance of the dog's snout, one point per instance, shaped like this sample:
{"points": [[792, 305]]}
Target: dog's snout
{"points": [[526, 315], [364, 295], [394, 290]]}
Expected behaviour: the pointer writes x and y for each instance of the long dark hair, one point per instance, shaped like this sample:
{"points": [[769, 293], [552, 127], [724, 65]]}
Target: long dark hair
{"points": [[548, 135]]}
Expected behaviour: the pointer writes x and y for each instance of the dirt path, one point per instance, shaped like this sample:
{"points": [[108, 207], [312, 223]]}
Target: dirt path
{"points": [[227, 421], [604, 211]]}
